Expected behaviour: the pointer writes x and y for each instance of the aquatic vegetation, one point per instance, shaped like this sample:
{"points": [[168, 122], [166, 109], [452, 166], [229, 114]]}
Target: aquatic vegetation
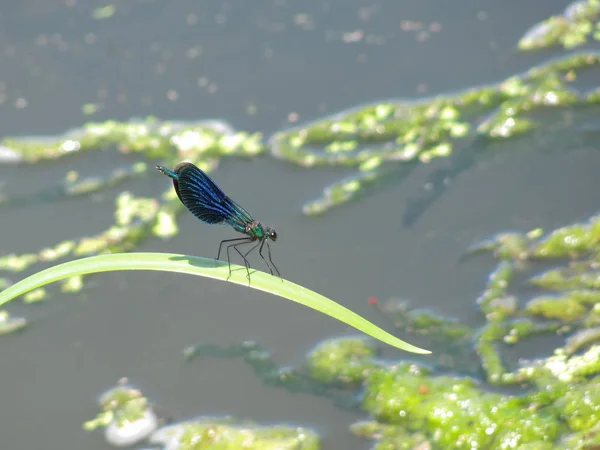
{"points": [[152, 137], [578, 24], [128, 418], [10, 324], [343, 361], [228, 434], [125, 415], [572, 304], [392, 139], [453, 412]]}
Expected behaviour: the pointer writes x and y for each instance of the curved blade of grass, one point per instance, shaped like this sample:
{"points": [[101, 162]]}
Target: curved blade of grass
{"points": [[204, 267]]}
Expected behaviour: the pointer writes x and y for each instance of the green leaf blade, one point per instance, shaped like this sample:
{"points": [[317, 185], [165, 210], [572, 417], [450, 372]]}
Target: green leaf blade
{"points": [[204, 267]]}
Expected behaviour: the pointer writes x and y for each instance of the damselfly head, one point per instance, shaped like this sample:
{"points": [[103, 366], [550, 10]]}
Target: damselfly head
{"points": [[271, 234]]}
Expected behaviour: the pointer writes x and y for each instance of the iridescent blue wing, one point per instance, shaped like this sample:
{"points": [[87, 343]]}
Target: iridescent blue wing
{"points": [[206, 200]]}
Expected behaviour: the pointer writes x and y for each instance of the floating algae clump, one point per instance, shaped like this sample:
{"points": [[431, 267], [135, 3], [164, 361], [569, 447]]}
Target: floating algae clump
{"points": [[578, 24], [453, 412], [227, 434], [580, 405], [561, 408], [343, 361], [125, 416], [10, 324], [574, 304], [128, 419], [391, 139], [412, 406], [569, 241], [565, 307]]}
